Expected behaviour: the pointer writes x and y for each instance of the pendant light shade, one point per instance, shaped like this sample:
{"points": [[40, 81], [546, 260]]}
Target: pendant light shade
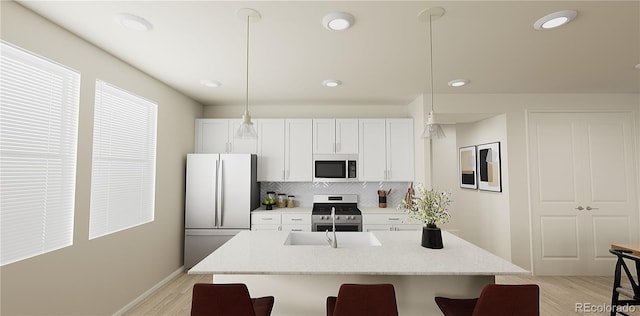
{"points": [[246, 130], [432, 129]]}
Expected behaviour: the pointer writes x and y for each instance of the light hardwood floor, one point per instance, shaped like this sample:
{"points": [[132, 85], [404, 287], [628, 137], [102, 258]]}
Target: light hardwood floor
{"points": [[558, 295]]}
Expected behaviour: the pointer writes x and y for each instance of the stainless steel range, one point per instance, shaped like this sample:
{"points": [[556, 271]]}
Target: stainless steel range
{"points": [[348, 216]]}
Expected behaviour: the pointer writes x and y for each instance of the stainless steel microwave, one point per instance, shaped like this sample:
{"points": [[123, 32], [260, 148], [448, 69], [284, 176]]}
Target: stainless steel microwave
{"points": [[335, 168]]}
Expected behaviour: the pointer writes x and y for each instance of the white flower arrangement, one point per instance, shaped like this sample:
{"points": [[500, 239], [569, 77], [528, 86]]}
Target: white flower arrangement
{"points": [[428, 206]]}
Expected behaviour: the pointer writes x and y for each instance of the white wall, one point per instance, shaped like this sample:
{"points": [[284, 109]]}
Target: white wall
{"points": [[100, 276], [417, 112], [483, 216], [445, 174]]}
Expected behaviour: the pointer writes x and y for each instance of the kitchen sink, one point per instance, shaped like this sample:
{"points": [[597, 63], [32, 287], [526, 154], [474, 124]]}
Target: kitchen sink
{"points": [[345, 239]]}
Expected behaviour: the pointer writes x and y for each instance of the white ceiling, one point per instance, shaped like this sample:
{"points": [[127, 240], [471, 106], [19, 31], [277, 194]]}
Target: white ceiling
{"points": [[382, 59]]}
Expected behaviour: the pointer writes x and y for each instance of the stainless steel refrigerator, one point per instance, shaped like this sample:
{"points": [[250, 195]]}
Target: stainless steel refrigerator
{"points": [[221, 192]]}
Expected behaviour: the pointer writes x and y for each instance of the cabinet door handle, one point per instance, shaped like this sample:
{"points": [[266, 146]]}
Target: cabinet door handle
{"points": [[338, 147], [296, 219], [284, 175], [589, 208], [267, 219], [230, 148], [394, 218], [579, 208], [296, 230]]}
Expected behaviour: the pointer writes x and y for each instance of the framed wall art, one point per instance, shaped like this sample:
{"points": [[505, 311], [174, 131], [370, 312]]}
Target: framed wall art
{"points": [[467, 167], [489, 168]]}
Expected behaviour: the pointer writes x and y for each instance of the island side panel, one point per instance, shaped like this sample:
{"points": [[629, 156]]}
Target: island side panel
{"points": [[306, 294]]}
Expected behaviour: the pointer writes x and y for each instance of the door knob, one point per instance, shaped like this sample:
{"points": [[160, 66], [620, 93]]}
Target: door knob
{"points": [[579, 208], [589, 208]]}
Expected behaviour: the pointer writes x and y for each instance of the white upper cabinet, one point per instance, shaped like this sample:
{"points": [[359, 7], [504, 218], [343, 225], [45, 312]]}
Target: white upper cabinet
{"points": [[284, 150], [335, 136], [400, 156], [271, 150], [218, 136], [285, 147], [372, 163], [386, 150], [298, 150]]}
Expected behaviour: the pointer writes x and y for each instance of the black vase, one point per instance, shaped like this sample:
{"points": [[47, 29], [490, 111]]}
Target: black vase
{"points": [[431, 237]]}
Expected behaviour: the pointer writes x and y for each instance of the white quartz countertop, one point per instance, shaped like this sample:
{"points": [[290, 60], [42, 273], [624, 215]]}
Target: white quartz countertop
{"points": [[400, 253]]}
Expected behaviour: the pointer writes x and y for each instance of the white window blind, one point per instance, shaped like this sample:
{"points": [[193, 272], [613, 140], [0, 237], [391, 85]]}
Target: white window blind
{"points": [[39, 102], [124, 161]]}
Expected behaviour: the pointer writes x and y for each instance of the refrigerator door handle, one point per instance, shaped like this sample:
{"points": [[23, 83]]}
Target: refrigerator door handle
{"points": [[215, 195], [220, 202]]}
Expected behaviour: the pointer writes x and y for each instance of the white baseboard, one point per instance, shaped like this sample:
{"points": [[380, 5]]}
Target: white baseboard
{"points": [[149, 292]]}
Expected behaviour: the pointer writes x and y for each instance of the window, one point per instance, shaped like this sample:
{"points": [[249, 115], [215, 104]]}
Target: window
{"points": [[124, 161], [39, 101]]}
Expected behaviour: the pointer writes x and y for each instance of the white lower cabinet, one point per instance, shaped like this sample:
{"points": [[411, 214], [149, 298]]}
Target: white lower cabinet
{"points": [[296, 222], [268, 221], [388, 222], [280, 221]]}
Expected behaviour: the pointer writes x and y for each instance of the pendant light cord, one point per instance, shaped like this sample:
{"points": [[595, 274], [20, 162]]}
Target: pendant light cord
{"points": [[431, 57], [246, 110]]}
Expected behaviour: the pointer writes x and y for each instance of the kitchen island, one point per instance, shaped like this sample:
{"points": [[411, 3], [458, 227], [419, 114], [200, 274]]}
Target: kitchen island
{"points": [[302, 276]]}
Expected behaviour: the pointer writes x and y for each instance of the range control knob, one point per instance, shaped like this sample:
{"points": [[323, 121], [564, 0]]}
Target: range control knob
{"points": [[337, 217]]}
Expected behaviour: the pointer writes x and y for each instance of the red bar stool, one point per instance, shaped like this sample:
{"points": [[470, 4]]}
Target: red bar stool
{"points": [[363, 300], [495, 300], [228, 300]]}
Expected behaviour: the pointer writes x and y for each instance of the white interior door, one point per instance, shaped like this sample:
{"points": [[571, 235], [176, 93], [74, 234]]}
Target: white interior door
{"points": [[583, 190]]}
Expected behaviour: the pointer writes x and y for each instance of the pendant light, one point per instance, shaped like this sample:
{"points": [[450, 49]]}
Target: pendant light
{"points": [[432, 129], [246, 130]]}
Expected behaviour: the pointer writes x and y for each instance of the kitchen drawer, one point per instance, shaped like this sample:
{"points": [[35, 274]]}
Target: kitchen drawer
{"points": [[390, 228], [376, 228], [385, 219], [265, 227], [265, 219], [297, 228], [296, 219]]}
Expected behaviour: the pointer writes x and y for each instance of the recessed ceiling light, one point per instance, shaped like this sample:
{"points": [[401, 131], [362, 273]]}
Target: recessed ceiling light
{"points": [[458, 83], [338, 21], [133, 22], [331, 83], [210, 83], [555, 19]]}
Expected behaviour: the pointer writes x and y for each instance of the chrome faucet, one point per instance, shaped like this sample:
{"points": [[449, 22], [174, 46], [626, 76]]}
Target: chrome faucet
{"points": [[333, 242]]}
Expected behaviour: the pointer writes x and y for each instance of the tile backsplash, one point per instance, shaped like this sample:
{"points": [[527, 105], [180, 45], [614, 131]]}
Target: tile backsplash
{"points": [[367, 191]]}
